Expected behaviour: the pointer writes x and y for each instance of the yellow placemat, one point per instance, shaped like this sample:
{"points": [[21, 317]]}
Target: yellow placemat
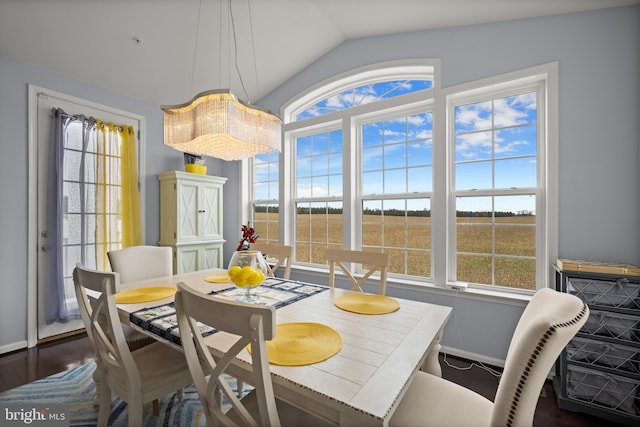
{"points": [[218, 278], [367, 303], [302, 343], [133, 296]]}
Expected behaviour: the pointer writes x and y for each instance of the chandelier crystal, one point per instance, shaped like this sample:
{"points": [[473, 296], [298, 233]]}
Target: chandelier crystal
{"points": [[216, 124]]}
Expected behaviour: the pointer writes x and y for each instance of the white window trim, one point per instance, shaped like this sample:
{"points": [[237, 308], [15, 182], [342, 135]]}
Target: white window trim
{"points": [[411, 69], [547, 197], [441, 203]]}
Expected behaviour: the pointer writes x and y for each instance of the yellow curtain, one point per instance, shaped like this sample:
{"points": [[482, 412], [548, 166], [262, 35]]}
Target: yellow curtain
{"points": [[118, 223], [131, 221]]}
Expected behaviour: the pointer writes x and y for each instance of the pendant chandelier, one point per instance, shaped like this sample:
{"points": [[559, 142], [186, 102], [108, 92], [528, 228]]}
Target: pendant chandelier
{"points": [[216, 124]]}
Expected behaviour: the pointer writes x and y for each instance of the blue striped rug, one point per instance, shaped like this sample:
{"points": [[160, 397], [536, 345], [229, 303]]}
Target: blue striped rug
{"points": [[74, 390]]}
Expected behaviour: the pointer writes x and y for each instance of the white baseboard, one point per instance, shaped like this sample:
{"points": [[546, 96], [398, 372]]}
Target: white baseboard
{"points": [[13, 346], [473, 356], [484, 359]]}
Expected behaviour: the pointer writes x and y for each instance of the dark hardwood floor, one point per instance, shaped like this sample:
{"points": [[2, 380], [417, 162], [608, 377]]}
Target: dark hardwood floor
{"points": [[23, 366]]}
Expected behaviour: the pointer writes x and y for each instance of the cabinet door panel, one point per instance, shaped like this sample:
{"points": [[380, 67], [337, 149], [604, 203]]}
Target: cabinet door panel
{"points": [[187, 259], [211, 217], [211, 256], [188, 214]]}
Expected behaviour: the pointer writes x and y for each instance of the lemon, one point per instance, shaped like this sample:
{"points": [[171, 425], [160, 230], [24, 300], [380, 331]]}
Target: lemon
{"points": [[256, 278], [239, 282], [234, 271], [246, 272]]}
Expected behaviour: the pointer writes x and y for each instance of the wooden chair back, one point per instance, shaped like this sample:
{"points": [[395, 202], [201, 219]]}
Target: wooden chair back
{"points": [[282, 253], [137, 376], [104, 328], [141, 262], [374, 261], [548, 323], [251, 324]]}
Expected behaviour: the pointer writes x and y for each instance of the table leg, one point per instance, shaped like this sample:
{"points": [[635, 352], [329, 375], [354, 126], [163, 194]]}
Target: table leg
{"points": [[431, 364]]}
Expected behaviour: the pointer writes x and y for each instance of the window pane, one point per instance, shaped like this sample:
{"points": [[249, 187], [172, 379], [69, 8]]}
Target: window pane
{"points": [[395, 156], [317, 161], [372, 159], [303, 146], [265, 176], [473, 117], [472, 176], [335, 185], [364, 94], [420, 153], [320, 186], [318, 226], [474, 146], [266, 222], [516, 273], [474, 232], [372, 183], [515, 110], [420, 127], [401, 227], [419, 180], [516, 173], [395, 181], [303, 187], [474, 269], [518, 141], [303, 167], [371, 135], [320, 164]]}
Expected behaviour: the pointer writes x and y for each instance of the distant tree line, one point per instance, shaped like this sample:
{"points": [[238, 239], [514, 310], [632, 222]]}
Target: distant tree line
{"points": [[425, 213], [485, 214]]}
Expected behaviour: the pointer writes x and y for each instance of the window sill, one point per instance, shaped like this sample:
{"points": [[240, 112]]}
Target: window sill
{"points": [[519, 298]]}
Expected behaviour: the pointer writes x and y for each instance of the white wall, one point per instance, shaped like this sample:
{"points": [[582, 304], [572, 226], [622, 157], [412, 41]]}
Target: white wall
{"points": [[599, 63], [14, 79]]}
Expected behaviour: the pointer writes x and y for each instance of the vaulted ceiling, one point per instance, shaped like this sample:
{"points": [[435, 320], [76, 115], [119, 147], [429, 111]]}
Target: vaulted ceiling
{"points": [[166, 51]]}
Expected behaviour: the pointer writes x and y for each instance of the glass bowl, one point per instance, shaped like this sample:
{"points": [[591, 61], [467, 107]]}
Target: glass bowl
{"points": [[247, 270]]}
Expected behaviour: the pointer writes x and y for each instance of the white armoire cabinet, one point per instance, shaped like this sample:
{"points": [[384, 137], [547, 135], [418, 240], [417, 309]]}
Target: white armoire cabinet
{"points": [[191, 219]]}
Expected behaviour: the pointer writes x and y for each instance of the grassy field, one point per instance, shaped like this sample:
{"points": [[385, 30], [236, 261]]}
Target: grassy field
{"points": [[513, 244]]}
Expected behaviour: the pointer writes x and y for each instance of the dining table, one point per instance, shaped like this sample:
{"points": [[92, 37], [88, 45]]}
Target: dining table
{"points": [[361, 385]]}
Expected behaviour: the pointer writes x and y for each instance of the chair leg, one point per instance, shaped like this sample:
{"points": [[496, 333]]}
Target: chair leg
{"points": [[135, 410], [97, 373], [104, 409], [156, 407]]}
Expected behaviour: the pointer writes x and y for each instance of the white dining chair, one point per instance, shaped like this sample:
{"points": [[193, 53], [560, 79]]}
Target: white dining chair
{"points": [[281, 253], [246, 324], [139, 263], [137, 377], [548, 323], [374, 261]]}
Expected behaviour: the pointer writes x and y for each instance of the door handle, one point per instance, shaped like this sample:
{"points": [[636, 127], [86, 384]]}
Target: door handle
{"points": [[44, 248]]}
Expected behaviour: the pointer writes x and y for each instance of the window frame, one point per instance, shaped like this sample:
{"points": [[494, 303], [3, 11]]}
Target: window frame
{"points": [[443, 195], [545, 79]]}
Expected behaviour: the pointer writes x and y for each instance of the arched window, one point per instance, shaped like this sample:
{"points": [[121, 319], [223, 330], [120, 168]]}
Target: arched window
{"points": [[453, 183]]}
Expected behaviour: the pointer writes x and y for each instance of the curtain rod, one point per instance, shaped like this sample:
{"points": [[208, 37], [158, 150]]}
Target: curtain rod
{"points": [[102, 123]]}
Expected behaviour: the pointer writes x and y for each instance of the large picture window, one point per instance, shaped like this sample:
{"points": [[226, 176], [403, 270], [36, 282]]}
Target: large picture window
{"points": [[496, 188], [457, 185], [397, 171]]}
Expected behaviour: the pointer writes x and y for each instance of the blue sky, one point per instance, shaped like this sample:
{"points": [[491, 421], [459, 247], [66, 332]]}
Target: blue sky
{"points": [[495, 145]]}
